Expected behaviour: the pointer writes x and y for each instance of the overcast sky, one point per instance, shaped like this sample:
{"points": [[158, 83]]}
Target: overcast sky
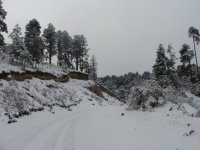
{"points": [[122, 34]]}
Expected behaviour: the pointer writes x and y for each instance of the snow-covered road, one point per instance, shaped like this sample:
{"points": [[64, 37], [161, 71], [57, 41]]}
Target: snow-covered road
{"points": [[90, 127], [42, 131]]}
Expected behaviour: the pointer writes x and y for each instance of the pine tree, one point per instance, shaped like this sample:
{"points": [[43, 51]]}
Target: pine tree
{"points": [[171, 71], [160, 67], [163, 70], [33, 41], [186, 55], [194, 34], [80, 50], [64, 47], [60, 47], [67, 49], [3, 26], [17, 42], [93, 68], [49, 36]]}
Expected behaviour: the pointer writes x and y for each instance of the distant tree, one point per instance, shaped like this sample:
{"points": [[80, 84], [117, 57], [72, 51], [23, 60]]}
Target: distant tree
{"points": [[17, 41], [3, 26], [60, 47], [146, 75], [171, 70], [80, 50], [85, 65], [163, 70], [160, 67], [67, 47], [33, 41], [64, 47], [186, 55], [93, 68], [49, 36], [18, 49], [194, 34]]}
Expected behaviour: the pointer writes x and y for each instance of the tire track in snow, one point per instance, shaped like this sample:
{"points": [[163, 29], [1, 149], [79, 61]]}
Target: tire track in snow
{"points": [[21, 139], [65, 140], [62, 138], [60, 135]]}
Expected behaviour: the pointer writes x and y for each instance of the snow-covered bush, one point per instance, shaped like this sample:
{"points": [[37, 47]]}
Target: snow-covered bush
{"points": [[176, 96], [150, 94], [196, 89], [146, 96], [14, 100]]}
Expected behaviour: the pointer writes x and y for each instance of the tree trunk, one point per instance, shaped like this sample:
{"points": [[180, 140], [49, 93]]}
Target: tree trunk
{"points": [[50, 50], [76, 60]]}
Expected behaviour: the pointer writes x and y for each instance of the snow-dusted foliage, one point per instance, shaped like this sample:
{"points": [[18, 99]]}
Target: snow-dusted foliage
{"points": [[146, 96], [195, 89], [13, 99], [3, 26], [150, 94], [164, 68], [121, 85], [17, 42], [33, 41]]}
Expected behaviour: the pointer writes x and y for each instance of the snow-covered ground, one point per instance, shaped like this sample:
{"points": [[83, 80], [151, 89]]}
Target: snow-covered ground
{"points": [[91, 126], [5, 66], [93, 122]]}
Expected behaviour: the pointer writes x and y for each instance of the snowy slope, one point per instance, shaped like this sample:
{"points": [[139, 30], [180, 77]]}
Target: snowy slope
{"points": [[71, 117], [19, 97]]}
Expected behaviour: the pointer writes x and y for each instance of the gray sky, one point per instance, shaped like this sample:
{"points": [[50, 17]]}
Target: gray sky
{"points": [[122, 34]]}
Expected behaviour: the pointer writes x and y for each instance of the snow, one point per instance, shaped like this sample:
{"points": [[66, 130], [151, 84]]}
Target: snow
{"points": [[5, 66], [92, 126], [194, 100]]}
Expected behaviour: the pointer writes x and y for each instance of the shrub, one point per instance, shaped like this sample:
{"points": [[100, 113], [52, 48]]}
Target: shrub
{"points": [[146, 96]]}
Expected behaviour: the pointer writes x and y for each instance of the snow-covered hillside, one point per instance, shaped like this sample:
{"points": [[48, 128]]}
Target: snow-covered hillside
{"points": [[23, 98], [38, 114]]}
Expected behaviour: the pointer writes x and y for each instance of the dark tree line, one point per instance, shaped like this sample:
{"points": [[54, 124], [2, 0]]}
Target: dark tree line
{"points": [[121, 85]]}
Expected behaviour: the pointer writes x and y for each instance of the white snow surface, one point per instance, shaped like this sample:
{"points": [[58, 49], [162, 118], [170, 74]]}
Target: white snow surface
{"points": [[92, 126], [5, 66]]}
